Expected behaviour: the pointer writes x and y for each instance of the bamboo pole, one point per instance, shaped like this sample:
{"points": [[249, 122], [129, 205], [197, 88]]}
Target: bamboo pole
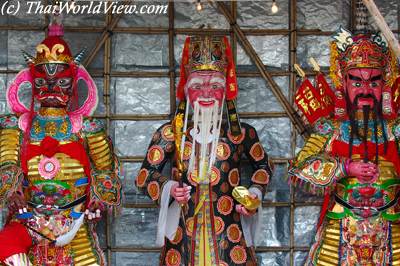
{"points": [[292, 91], [164, 30], [106, 99], [383, 26], [296, 120], [171, 72], [155, 117]]}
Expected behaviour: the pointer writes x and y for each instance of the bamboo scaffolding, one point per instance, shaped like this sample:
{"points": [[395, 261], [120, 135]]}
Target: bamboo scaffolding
{"points": [[265, 204], [156, 117], [248, 48], [107, 32], [107, 73], [183, 31], [261, 249], [106, 100], [383, 26], [171, 72], [292, 91]]}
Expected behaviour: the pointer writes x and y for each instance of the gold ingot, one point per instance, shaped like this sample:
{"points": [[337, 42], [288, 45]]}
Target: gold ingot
{"points": [[242, 195]]}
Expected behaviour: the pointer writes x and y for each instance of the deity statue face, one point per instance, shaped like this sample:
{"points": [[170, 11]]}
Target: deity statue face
{"points": [[53, 84], [364, 86], [206, 87]]}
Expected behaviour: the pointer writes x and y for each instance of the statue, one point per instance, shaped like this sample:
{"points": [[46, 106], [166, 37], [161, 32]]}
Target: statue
{"points": [[201, 221], [352, 157], [58, 169]]}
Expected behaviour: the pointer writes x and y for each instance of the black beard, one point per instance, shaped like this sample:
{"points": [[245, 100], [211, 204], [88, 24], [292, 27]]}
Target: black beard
{"points": [[362, 133]]}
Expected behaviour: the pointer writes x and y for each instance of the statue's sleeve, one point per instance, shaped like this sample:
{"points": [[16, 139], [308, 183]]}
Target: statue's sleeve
{"points": [[150, 180], [314, 163], [10, 146], [262, 167], [105, 185]]}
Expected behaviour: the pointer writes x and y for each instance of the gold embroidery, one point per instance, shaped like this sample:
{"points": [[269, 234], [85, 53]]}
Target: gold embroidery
{"points": [[50, 128]]}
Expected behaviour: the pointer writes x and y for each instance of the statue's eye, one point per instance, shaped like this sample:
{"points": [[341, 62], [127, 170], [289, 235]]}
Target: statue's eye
{"points": [[357, 84], [39, 82], [374, 84], [196, 86], [64, 82]]}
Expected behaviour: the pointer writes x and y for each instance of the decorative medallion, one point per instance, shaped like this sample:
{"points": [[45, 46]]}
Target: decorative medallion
{"points": [[215, 176], [223, 244], [154, 190], [238, 254], [189, 226], [142, 177], [225, 166], [233, 177], [234, 233], [237, 139], [155, 155], [173, 258], [225, 205], [48, 167], [219, 225], [252, 133], [260, 176], [224, 187], [167, 133], [178, 236], [257, 151], [223, 151]]}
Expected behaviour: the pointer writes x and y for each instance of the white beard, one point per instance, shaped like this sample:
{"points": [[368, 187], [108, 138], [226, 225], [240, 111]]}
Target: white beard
{"points": [[205, 135]]}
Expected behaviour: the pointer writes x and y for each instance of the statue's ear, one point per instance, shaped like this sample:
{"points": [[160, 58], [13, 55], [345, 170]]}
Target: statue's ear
{"points": [[13, 101]]}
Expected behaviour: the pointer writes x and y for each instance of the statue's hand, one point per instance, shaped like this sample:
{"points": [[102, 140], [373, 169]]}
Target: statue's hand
{"points": [[365, 172], [181, 194], [242, 210], [94, 210], [16, 202]]}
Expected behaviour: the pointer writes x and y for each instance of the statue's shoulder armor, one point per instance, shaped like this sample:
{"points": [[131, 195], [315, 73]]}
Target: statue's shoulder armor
{"points": [[324, 126], [395, 128], [8, 122], [92, 126]]}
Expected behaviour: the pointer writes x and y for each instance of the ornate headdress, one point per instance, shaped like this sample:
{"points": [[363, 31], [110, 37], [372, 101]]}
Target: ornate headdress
{"points": [[362, 51], [202, 53], [51, 51]]}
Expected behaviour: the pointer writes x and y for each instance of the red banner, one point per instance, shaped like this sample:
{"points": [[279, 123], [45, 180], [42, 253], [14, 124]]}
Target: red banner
{"points": [[313, 102]]}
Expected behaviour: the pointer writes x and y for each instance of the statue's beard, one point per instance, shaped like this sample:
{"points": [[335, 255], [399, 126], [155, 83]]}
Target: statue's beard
{"points": [[368, 113], [205, 135]]}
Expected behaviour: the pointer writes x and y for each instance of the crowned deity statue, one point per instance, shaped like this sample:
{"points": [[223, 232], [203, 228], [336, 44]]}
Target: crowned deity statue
{"points": [[209, 213], [352, 156], [58, 170]]}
